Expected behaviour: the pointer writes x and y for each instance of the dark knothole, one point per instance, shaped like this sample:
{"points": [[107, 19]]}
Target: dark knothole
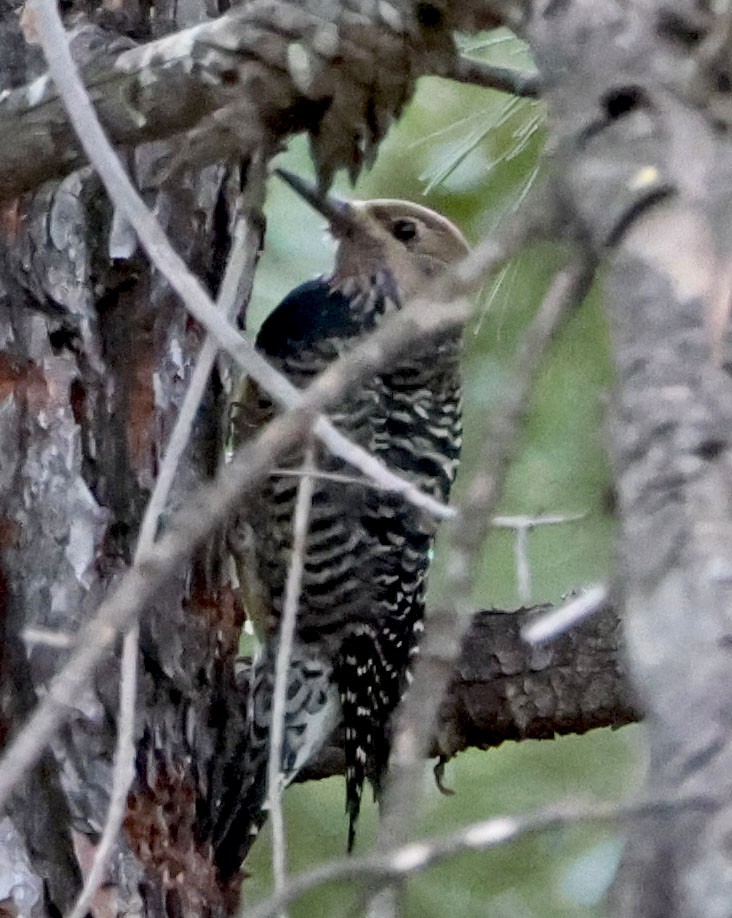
{"points": [[710, 449], [724, 82], [65, 338], [229, 77], [429, 16], [77, 400], [620, 102], [680, 28]]}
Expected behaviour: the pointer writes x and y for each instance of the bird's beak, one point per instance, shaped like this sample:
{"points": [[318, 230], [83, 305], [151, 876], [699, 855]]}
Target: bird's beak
{"points": [[339, 213]]}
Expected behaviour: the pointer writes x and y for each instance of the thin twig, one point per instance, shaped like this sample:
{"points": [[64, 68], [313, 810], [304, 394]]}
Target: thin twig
{"points": [[522, 526], [504, 79], [407, 860], [162, 254], [523, 565], [416, 718], [554, 623], [526, 521], [293, 586], [59, 640], [322, 475], [123, 773]]}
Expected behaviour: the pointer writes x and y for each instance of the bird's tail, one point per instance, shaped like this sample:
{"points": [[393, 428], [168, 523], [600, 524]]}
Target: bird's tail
{"points": [[370, 687], [312, 711]]}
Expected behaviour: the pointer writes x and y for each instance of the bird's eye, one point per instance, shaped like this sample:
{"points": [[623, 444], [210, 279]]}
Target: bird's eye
{"points": [[404, 230]]}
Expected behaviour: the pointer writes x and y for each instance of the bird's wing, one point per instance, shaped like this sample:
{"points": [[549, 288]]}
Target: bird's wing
{"points": [[302, 337]]}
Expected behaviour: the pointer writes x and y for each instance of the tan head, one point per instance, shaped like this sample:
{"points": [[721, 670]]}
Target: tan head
{"points": [[413, 242]]}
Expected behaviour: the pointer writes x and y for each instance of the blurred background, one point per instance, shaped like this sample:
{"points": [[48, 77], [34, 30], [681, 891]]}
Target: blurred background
{"points": [[474, 155]]}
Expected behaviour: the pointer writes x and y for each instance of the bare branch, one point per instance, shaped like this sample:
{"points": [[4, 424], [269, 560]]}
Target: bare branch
{"points": [[300, 524], [552, 624], [217, 79], [47, 638], [492, 76], [521, 521]]}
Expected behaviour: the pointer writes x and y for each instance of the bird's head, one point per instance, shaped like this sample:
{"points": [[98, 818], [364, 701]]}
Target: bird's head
{"points": [[410, 242]]}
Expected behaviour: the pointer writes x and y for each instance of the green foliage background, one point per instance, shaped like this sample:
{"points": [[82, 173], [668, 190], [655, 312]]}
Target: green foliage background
{"points": [[473, 154]]}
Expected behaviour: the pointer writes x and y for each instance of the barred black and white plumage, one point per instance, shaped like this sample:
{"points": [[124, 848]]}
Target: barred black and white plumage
{"points": [[368, 551]]}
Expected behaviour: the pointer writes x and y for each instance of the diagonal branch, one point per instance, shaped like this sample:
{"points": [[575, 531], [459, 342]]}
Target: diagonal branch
{"points": [[286, 638]]}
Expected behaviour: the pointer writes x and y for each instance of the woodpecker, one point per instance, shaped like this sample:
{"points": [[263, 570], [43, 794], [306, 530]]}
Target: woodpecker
{"points": [[367, 551]]}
